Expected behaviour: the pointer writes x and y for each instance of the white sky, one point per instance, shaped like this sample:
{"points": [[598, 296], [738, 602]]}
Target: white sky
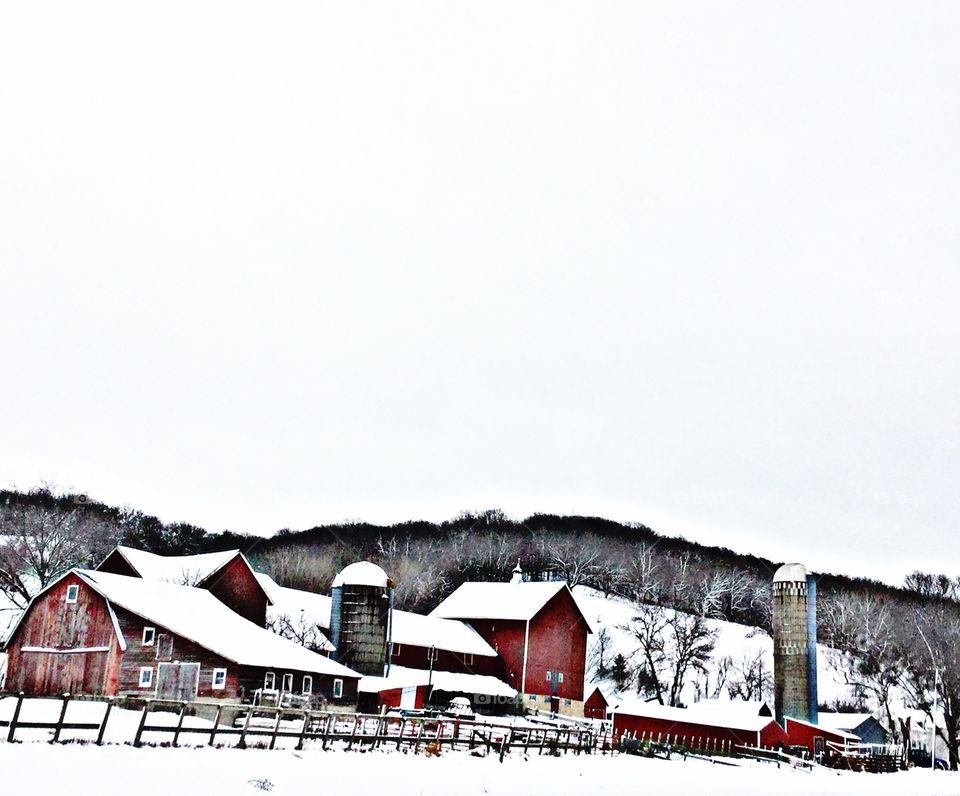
{"points": [[690, 264]]}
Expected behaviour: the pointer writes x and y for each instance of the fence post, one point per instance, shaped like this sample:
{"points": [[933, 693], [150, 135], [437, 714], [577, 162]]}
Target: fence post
{"points": [[103, 724], [143, 720], [504, 744], [276, 726], [403, 725], [63, 712], [216, 723], [176, 732], [243, 733], [16, 716], [303, 729]]}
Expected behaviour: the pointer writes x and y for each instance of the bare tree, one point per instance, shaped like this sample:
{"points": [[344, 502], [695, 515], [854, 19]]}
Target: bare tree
{"points": [[44, 535]]}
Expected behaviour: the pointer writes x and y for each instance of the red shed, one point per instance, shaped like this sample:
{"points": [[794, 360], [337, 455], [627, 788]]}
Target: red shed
{"points": [[814, 738], [595, 706], [227, 575], [697, 728], [98, 633], [538, 630]]}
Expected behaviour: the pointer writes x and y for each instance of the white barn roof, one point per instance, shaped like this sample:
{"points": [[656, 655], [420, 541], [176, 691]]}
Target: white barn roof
{"points": [[519, 601], [402, 677], [735, 719], [184, 570], [408, 628], [197, 615], [842, 721]]}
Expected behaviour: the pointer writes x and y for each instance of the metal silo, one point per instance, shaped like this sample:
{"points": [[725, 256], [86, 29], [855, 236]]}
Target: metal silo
{"points": [[794, 643], [360, 617]]}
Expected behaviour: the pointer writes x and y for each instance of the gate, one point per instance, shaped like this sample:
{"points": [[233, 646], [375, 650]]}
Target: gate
{"points": [[178, 681]]}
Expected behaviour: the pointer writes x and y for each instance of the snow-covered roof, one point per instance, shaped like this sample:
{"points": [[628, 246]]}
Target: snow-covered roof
{"points": [[361, 573], [518, 601], [408, 628], [747, 708], [842, 721], [842, 733], [735, 718], [197, 615], [402, 677], [185, 570], [791, 573]]}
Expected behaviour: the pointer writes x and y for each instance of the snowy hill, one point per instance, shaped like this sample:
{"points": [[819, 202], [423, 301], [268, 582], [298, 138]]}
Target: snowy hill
{"points": [[737, 644]]}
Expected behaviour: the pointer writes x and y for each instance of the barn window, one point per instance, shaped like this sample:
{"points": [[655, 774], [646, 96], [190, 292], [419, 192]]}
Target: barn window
{"points": [[532, 697], [337, 688], [146, 676], [396, 650], [307, 685], [149, 635], [219, 678], [287, 683], [567, 702], [559, 677], [269, 681], [549, 676], [432, 654], [73, 591], [468, 659]]}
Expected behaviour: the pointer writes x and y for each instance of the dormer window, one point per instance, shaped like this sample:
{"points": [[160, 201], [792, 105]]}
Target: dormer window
{"points": [[73, 591]]}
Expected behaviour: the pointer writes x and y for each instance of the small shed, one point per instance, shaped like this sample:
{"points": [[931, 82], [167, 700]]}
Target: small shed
{"points": [[596, 705]]}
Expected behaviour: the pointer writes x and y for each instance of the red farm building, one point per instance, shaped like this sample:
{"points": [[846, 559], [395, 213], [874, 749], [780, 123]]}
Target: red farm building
{"points": [[596, 705], [537, 629], [698, 727], [429, 659], [228, 576], [817, 740], [99, 633]]}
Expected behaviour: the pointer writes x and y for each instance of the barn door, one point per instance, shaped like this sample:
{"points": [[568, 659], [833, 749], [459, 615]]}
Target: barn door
{"points": [[178, 681]]}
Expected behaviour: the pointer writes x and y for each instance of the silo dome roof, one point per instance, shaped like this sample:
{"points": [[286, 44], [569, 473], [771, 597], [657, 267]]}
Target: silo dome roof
{"points": [[362, 573], [791, 573]]}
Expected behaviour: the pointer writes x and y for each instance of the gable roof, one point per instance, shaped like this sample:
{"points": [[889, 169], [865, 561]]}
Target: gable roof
{"points": [[842, 721], [416, 630], [730, 706], [839, 732], [512, 601], [196, 615]]}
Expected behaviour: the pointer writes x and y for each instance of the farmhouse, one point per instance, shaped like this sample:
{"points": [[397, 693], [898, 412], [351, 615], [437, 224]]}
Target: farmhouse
{"points": [[95, 632], [537, 629], [228, 576]]}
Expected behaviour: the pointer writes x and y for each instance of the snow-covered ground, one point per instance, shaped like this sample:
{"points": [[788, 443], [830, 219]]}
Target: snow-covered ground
{"points": [[44, 770], [738, 642]]}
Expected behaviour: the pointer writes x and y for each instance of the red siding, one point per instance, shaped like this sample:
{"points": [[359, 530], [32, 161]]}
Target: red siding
{"points": [[558, 642], [52, 623], [686, 732], [415, 657], [506, 637], [236, 587], [595, 705], [803, 735]]}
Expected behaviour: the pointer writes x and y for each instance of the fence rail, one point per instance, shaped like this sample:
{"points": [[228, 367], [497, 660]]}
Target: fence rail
{"points": [[263, 724]]}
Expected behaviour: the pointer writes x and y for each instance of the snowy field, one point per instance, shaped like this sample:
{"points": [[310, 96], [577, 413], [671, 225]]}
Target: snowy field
{"points": [[42, 769]]}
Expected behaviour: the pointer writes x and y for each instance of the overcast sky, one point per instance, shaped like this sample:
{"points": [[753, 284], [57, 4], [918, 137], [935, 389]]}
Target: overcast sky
{"points": [[695, 265]]}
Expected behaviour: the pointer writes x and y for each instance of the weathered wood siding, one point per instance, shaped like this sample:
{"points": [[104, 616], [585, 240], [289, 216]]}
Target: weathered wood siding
{"points": [[236, 587], [53, 624], [182, 650]]}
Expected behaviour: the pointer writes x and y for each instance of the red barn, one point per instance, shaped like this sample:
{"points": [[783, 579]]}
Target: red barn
{"points": [[98, 633], [697, 728], [537, 629], [227, 575], [814, 738]]}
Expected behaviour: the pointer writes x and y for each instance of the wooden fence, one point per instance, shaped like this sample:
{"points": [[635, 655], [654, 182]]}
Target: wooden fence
{"points": [[264, 725]]}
